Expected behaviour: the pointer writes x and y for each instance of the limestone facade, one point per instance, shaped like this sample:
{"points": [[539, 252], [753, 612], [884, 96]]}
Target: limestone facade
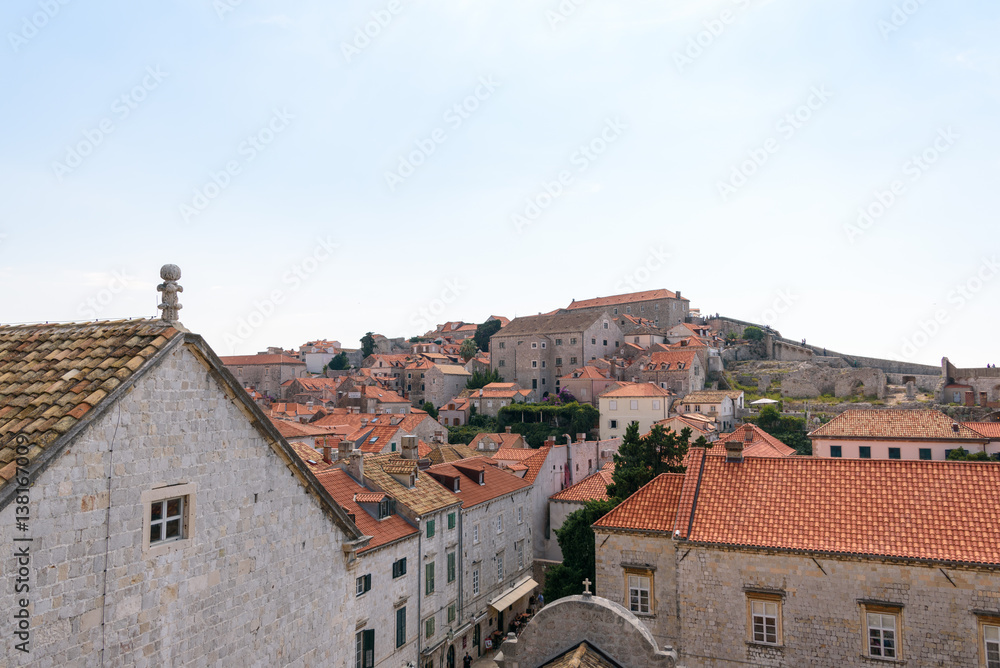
{"points": [[262, 579]]}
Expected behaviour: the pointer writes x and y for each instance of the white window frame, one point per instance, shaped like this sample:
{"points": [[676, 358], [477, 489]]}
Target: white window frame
{"points": [[165, 492], [499, 566], [765, 620], [633, 405], [612, 405], [475, 534], [989, 632], [520, 554], [873, 619], [475, 582], [639, 591], [656, 404]]}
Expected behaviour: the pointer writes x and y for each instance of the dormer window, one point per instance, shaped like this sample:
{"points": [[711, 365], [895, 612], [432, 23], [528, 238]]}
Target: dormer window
{"points": [[455, 485], [482, 475]]}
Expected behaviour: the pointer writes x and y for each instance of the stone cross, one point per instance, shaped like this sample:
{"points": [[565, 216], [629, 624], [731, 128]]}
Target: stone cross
{"points": [[586, 586], [170, 273]]}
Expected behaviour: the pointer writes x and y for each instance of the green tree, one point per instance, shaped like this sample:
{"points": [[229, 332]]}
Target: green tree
{"points": [[468, 349], [962, 455], [788, 429], [480, 379], [751, 333], [484, 332], [367, 344], [429, 408], [576, 540], [339, 362], [642, 458]]}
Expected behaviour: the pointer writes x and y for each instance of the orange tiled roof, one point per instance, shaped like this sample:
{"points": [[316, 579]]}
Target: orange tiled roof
{"points": [[496, 483], [707, 397], [761, 443], [689, 342], [295, 429], [935, 510], [629, 298], [309, 456], [585, 372], [594, 486], [514, 454], [536, 462], [250, 360], [624, 389], [990, 430], [673, 358], [896, 424], [343, 489], [51, 376], [652, 508]]}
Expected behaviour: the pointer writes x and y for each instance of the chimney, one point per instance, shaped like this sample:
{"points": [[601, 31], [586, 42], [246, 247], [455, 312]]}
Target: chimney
{"points": [[506, 430], [356, 466], [439, 436], [551, 440], [170, 273], [581, 438], [326, 451], [345, 448], [364, 422], [734, 451], [409, 447], [678, 293]]}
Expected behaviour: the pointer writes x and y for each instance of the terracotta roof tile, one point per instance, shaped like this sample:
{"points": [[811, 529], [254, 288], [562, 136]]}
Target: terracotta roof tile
{"points": [[652, 508], [344, 489], [896, 424], [536, 462], [760, 443], [496, 482], [935, 510], [635, 390], [427, 495], [250, 360], [629, 298], [54, 375], [594, 486], [990, 430]]}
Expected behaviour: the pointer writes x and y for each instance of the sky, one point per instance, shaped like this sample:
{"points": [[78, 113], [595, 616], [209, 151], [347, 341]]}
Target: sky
{"points": [[319, 170]]}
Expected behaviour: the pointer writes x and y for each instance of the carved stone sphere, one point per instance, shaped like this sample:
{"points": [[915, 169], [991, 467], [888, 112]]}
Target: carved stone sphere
{"points": [[170, 272]]}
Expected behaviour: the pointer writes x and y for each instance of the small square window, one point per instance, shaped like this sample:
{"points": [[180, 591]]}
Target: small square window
{"points": [[363, 584], [612, 424], [633, 404], [640, 592], [836, 451], [893, 453], [925, 453], [168, 518], [399, 567], [865, 452]]}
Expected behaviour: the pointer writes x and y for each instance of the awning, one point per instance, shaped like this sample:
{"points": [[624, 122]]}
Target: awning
{"points": [[504, 600]]}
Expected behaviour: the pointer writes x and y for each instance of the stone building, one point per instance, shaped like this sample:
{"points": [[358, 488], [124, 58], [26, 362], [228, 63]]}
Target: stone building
{"points": [[679, 371], [536, 350], [561, 504], [152, 501], [970, 386], [489, 399], [722, 406], [444, 382], [662, 307], [495, 555], [265, 372], [585, 383], [799, 561]]}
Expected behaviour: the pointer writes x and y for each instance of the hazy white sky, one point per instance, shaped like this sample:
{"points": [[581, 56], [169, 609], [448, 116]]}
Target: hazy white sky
{"points": [[318, 171]]}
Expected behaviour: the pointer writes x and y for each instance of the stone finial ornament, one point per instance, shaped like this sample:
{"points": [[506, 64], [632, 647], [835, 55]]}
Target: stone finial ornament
{"points": [[170, 273]]}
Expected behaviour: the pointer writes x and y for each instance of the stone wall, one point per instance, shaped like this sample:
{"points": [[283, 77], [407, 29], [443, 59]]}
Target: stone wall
{"points": [[821, 616], [262, 582], [634, 550]]}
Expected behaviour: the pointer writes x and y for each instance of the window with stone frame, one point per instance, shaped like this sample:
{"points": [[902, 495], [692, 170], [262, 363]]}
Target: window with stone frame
{"points": [[499, 566], [639, 590], [168, 518], [764, 618], [475, 582], [989, 631], [882, 627]]}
